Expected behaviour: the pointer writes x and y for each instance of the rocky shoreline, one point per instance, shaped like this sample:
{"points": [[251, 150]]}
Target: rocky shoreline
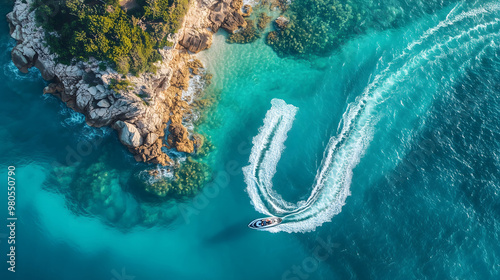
{"points": [[154, 105]]}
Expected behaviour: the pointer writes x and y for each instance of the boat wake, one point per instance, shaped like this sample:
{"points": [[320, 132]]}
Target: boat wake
{"points": [[453, 43]]}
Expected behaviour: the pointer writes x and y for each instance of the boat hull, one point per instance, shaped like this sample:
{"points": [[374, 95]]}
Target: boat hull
{"points": [[259, 223]]}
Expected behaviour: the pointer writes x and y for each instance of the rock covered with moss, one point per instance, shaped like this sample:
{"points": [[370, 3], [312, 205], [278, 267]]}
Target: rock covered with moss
{"points": [[187, 180], [247, 10], [318, 27], [263, 21], [281, 22], [305, 34], [245, 35]]}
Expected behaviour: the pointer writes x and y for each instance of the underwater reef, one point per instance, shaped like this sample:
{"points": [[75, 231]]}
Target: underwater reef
{"points": [[247, 34], [318, 27]]}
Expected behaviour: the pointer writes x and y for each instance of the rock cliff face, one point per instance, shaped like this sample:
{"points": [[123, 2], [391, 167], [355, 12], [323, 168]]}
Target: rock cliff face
{"points": [[153, 104]]}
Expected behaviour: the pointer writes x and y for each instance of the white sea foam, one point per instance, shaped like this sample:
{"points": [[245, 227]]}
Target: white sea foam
{"points": [[162, 173], [265, 154], [11, 71], [196, 85], [344, 151], [74, 118], [251, 2]]}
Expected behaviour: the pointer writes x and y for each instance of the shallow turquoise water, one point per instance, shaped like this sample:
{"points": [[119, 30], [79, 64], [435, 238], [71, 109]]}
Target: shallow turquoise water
{"points": [[424, 191]]}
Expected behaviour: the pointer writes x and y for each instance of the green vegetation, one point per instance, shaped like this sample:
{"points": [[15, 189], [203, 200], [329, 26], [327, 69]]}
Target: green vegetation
{"points": [[127, 41], [120, 85], [246, 35]]}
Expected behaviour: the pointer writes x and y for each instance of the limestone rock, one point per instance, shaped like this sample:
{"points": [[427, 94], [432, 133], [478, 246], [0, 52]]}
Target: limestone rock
{"points": [[103, 103], [140, 124], [92, 91], [54, 88], [100, 88], [99, 114], [226, 14], [128, 133]]}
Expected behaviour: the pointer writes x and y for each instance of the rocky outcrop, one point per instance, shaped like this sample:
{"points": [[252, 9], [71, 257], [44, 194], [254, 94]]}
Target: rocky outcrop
{"points": [[128, 133], [140, 114], [21, 60], [282, 22], [247, 10], [178, 138], [233, 21], [217, 14], [196, 40]]}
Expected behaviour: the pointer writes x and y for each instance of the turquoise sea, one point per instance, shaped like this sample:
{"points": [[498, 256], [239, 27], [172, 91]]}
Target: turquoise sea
{"points": [[384, 157]]}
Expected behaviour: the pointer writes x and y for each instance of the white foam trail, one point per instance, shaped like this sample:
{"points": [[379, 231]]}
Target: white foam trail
{"points": [[266, 152], [485, 9], [343, 153]]}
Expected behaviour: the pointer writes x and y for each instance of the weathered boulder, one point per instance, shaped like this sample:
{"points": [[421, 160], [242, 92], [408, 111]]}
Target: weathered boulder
{"points": [[99, 116], [217, 15], [180, 78], [29, 53], [128, 133], [83, 98], [195, 40], [103, 103], [84, 85], [233, 21], [151, 138], [47, 72], [20, 61], [152, 153], [92, 91], [54, 88], [17, 33]]}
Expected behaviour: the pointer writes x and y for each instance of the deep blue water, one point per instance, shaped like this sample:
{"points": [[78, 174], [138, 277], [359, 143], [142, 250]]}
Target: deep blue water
{"points": [[411, 190]]}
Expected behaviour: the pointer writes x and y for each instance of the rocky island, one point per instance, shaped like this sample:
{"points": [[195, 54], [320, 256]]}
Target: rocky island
{"points": [[149, 110]]}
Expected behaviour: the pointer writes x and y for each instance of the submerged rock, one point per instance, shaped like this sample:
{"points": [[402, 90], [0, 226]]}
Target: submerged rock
{"points": [[282, 22], [247, 10], [20, 61]]}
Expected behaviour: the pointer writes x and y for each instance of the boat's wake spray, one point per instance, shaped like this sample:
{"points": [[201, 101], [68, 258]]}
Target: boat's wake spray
{"points": [[464, 34]]}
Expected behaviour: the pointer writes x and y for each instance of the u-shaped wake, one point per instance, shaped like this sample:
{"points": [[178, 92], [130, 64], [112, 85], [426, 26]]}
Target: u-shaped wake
{"points": [[344, 151]]}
